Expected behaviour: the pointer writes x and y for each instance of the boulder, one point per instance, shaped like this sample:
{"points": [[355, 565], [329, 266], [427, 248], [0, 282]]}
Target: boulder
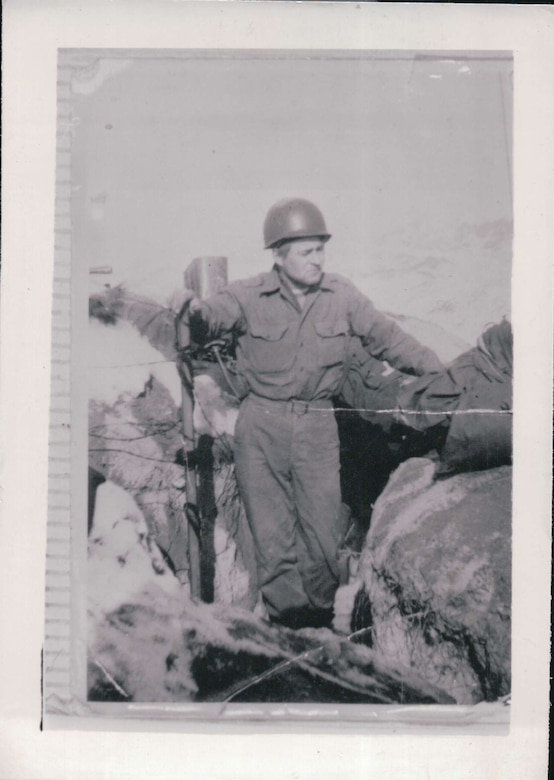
{"points": [[436, 575]]}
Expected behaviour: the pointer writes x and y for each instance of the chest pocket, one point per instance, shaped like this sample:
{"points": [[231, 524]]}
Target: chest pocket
{"points": [[331, 342], [268, 348]]}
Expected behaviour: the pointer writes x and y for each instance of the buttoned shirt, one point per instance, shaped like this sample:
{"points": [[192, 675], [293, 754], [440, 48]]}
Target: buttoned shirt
{"points": [[287, 352]]}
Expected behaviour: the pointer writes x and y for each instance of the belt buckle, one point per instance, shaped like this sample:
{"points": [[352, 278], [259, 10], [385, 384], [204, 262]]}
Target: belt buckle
{"points": [[300, 407]]}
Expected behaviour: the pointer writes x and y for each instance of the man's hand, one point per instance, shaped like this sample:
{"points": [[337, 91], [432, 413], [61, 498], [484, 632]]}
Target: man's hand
{"points": [[188, 312], [179, 300]]}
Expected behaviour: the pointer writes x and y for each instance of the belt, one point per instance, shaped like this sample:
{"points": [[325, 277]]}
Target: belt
{"points": [[293, 405]]}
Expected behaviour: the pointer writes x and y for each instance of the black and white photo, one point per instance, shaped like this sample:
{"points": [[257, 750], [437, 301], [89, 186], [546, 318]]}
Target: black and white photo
{"points": [[299, 361], [275, 389]]}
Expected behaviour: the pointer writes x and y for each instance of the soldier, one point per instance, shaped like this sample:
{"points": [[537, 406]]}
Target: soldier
{"points": [[292, 326]]}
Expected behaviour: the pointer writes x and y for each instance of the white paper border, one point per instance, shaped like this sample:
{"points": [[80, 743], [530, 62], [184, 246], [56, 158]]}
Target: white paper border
{"points": [[32, 33]]}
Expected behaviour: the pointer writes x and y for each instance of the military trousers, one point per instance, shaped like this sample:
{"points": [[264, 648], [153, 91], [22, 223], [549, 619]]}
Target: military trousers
{"points": [[287, 468]]}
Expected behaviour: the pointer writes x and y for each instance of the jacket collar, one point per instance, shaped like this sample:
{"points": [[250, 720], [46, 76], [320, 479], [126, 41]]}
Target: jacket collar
{"points": [[273, 282]]}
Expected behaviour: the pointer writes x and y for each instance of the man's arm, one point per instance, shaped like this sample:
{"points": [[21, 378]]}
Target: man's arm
{"points": [[385, 340]]}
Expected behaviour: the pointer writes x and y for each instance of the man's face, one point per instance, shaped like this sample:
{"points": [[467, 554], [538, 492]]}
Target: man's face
{"points": [[303, 264]]}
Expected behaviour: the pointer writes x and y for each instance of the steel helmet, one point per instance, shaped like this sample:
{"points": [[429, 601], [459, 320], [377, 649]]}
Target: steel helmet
{"points": [[292, 218]]}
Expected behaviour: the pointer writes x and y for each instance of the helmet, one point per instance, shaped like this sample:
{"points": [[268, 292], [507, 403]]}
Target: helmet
{"points": [[293, 218]]}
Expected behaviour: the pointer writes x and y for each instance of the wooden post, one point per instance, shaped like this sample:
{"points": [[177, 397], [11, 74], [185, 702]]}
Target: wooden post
{"points": [[187, 412], [204, 276]]}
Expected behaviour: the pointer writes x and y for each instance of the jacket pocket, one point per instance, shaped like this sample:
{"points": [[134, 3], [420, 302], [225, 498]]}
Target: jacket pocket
{"points": [[269, 350], [331, 342]]}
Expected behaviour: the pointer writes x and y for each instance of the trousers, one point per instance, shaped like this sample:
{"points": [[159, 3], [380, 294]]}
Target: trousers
{"points": [[288, 473]]}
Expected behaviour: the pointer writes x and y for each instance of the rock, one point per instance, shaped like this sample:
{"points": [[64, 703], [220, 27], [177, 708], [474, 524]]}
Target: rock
{"points": [[436, 569], [147, 641], [133, 443]]}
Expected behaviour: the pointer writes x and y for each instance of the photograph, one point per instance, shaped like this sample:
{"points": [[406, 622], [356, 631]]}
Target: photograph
{"points": [[298, 362], [276, 390]]}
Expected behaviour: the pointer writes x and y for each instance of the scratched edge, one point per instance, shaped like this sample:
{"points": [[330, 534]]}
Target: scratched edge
{"points": [[56, 655]]}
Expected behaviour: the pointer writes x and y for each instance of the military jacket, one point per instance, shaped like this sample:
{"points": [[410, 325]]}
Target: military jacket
{"points": [[285, 352]]}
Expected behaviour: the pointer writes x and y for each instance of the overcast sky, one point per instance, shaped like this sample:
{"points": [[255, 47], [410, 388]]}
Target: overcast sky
{"points": [[175, 158]]}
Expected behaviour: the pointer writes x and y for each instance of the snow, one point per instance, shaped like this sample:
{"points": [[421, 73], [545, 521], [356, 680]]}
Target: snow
{"points": [[121, 361], [123, 561], [212, 414]]}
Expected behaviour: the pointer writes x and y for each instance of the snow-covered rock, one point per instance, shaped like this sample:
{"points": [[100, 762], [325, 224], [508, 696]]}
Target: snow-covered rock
{"points": [[147, 641], [124, 562], [436, 572], [121, 361]]}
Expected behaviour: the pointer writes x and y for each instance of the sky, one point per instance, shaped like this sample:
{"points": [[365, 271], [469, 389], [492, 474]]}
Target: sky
{"points": [[176, 157]]}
